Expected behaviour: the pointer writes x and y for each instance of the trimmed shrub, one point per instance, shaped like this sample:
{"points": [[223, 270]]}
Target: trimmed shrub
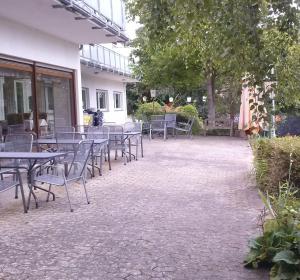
{"points": [[145, 110], [188, 111], [276, 161]]}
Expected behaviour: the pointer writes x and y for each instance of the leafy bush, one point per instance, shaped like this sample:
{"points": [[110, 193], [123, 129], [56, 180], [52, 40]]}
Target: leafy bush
{"points": [[186, 112], [145, 110], [276, 160], [279, 245]]}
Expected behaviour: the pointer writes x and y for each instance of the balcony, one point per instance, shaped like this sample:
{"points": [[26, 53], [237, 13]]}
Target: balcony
{"points": [[105, 59], [76, 21], [112, 10]]}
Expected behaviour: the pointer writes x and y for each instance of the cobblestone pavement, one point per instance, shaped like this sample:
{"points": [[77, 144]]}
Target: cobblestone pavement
{"points": [[184, 212]]}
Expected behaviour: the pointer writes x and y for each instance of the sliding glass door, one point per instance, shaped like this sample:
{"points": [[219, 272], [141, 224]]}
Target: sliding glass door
{"points": [[34, 105], [54, 99]]}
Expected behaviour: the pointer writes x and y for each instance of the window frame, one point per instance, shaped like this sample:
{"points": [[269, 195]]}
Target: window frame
{"points": [[115, 93], [105, 92], [86, 98]]}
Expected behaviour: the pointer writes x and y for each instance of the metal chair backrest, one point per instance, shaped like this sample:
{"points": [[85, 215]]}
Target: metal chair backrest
{"points": [[171, 120], [98, 132], [82, 128], [64, 129], [133, 127], [18, 142], [79, 162], [116, 135], [19, 128], [157, 118], [67, 147]]}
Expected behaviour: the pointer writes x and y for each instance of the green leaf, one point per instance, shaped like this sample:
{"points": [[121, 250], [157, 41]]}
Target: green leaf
{"points": [[286, 256]]}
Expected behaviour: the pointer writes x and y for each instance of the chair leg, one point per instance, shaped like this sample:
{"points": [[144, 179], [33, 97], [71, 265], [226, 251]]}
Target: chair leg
{"points": [[16, 192], [101, 162], [66, 187], [22, 194], [136, 149], [86, 195], [48, 195]]}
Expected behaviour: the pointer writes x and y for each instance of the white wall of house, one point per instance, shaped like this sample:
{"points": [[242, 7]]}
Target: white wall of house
{"points": [[98, 82], [23, 42]]}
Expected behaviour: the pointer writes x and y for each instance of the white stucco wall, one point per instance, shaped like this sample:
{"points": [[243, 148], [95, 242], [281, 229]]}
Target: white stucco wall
{"points": [[23, 42], [94, 82]]}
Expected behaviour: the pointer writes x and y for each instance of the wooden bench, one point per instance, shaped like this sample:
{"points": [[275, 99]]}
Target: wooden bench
{"points": [[221, 124]]}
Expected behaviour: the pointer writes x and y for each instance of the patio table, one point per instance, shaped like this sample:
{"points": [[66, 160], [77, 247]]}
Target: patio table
{"points": [[33, 158], [53, 141], [127, 136]]}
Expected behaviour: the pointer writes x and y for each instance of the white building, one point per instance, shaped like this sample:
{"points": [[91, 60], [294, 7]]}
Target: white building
{"points": [[52, 66]]}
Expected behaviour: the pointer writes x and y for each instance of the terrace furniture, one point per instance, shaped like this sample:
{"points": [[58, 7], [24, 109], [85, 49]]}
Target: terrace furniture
{"points": [[158, 125], [16, 143], [99, 133], [222, 124], [185, 128], [170, 118], [72, 146], [16, 128], [134, 140], [14, 181], [11, 160], [117, 141], [74, 172]]}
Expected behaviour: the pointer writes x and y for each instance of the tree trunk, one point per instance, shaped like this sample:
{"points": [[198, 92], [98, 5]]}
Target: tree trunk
{"points": [[211, 99]]}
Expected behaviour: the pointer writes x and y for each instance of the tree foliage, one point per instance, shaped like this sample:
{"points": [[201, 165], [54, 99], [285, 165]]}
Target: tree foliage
{"points": [[188, 41]]}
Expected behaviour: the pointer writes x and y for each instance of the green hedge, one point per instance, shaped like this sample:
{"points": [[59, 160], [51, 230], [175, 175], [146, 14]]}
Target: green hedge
{"points": [[276, 161], [145, 110]]}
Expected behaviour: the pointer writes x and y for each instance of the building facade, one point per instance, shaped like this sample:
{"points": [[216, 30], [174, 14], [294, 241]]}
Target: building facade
{"points": [[52, 65]]}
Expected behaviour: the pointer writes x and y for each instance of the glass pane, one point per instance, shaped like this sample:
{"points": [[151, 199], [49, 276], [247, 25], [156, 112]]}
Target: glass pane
{"points": [[54, 102], [15, 99], [102, 99], [117, 100], [86, 51], [106, 57], [101, 54], [117, 12], [92, 3], [105, 8], [94, 53]]}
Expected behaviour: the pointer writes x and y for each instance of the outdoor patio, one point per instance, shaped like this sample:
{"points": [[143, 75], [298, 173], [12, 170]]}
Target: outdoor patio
{"points": [[184, 211]]}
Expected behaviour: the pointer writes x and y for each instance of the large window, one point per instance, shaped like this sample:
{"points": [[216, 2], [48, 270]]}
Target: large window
{"points": [[102, 99], [118, 100], [85, 98], [54, 99], [15, 96]]}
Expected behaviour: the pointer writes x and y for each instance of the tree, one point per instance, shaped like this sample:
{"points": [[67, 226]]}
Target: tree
{"points": [[216, 38]]}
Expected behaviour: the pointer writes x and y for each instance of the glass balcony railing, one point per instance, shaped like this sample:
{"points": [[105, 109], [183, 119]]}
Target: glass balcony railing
{"points": [[113, 10], [106, 58]]}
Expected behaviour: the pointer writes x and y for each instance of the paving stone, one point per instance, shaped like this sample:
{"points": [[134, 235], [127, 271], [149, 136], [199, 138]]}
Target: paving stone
{"points": [[184, 212]]}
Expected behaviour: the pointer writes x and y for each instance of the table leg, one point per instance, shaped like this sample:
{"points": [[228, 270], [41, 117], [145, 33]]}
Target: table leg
{"points": [[108, 156], [142, 147], [93, 161], [129, 143]]}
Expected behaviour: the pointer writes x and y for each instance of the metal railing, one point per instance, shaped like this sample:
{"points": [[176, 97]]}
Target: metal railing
{"points": [[106, 58], [113, 10], [107, 14]]}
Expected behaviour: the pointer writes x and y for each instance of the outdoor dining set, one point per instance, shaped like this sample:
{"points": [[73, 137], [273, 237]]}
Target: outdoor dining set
{"points": [[69, 154], [162, 124]]}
